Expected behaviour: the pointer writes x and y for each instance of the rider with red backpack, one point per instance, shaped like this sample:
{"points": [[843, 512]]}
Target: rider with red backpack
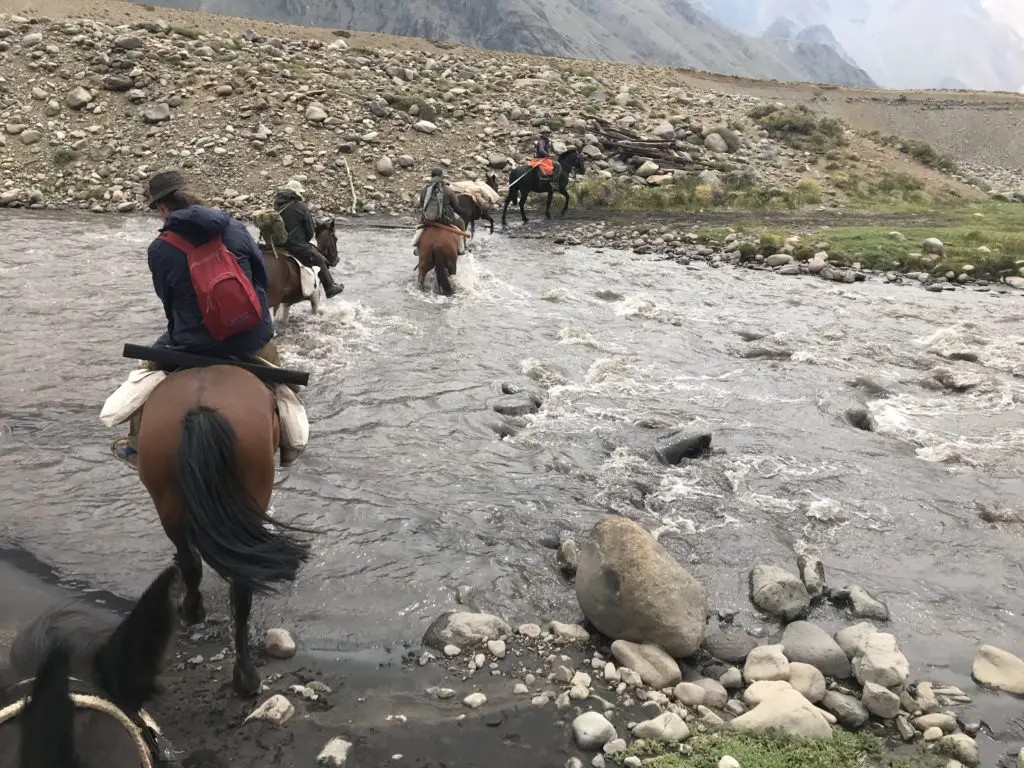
{"points": [[209, 274]]}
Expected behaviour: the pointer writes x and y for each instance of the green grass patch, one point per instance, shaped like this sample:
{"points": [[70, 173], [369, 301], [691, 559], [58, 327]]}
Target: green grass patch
{"points": [[921, 151], [800, 127], [777, 750], [737, 193]]}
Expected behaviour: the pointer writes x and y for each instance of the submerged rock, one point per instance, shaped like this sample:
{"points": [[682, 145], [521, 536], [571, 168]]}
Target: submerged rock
{"points": [[276, 710], [999, 669], [334, 754], [863, 605], [464, 630], [812, 573], [678, 446], [516, 405], [777, 591], [631, 588]]}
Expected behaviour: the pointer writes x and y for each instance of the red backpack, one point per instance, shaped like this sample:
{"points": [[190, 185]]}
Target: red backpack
{"points": [[227, 298]]}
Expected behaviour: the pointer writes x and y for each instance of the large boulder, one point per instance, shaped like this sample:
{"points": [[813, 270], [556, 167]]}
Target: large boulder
{"points": [[880, 660], [631, 588]]}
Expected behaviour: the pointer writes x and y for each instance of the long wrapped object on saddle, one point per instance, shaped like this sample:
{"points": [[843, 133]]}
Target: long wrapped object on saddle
{"points": [[173, 358], [483, 194]]}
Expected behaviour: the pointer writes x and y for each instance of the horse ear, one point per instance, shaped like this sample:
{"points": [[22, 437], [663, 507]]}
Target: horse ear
{"points": [[47, 721], [130, 661]]}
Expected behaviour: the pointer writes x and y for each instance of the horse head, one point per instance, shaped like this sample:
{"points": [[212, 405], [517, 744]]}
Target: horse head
{"points": [[492, 180], [327, 241], [572, 161], [76, 664]]}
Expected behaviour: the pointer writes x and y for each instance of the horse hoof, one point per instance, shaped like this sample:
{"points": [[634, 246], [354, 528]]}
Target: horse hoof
{"points": [[193, 611], [247, 682]]}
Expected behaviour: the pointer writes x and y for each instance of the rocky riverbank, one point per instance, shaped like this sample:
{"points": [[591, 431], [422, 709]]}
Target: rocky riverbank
{"points": [[88, 109], [604, 693]]}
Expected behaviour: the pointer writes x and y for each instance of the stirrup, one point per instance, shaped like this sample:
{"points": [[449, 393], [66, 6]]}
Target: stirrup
{"points": [[124, 452]]}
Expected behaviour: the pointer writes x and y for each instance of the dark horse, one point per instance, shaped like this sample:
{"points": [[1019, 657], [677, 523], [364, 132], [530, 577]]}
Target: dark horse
{"points": [[470, 210], [285, 285], [73, 693], [207, 440], [526, 179]]}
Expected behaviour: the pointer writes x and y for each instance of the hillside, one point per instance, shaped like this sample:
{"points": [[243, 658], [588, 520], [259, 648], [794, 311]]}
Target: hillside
{"points": [[671, 32], [98, 95]]}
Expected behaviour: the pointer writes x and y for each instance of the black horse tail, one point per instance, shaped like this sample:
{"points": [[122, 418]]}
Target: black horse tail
{"points": [[232, 532], [47, 721]]}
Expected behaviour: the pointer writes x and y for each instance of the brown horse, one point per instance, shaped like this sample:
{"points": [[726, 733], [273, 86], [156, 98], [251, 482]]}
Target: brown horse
{"points": [[285, 285], [439, 250], [207, 441]]}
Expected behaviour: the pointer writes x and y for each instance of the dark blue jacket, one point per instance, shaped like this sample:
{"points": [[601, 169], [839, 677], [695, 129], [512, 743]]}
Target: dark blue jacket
{"points": [[185, 329]]}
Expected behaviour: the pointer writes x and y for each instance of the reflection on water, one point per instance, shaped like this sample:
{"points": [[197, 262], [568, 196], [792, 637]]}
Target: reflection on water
{"points": [[420, 493]]}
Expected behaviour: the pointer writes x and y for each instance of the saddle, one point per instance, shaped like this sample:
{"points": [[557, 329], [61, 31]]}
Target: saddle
{"points": [[546, 166], [154, 748]]}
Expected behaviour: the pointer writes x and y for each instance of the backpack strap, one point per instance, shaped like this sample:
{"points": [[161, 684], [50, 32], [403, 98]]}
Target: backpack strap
{"points": [[177, 241]]}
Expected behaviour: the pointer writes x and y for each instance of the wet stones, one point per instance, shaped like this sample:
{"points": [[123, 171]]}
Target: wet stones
{"points": [[880, 701], [862, 604], [464, 630], [730, 645], [276, 710], [516, 405], [851, 638], [592, 731], [279, 644], [778, 592], [879, 660], [999, 669], [812, 574], [655, 667], [848, 711], [631, 588], [808, 643], [334, 754]]}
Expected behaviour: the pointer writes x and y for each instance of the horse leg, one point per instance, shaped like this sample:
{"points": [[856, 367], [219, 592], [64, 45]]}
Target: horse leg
{"points": [[490, 221], [504, 211], [523, 194], [246, 679], [191, 567], [281, 317], [564, 193], [551, 196]]}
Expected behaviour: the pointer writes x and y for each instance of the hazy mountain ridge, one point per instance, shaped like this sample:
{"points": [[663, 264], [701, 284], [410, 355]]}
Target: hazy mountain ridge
{"points": [[671, 32], [902, 43]]}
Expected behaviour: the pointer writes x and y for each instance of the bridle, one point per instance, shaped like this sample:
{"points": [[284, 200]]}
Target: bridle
{"points": [[155, 750]]}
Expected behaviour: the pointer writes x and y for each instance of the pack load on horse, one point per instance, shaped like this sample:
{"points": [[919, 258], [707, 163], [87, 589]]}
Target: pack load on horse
{"points": [[437, 209], [300, 229], [475, 200], [291, 281], [542, 159], [212, 280], [529, 178], [74, 690]]}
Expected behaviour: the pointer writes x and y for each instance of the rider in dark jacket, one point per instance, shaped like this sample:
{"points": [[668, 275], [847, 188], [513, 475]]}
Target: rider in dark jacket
{"points": [[173, 284], [301, 229], [544, 142]]}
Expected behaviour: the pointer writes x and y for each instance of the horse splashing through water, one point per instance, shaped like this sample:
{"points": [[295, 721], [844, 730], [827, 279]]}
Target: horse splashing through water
{"points": [[439, 250], [526, 179], [285, 280], [74, 691], [475, 200], [207, 440]]}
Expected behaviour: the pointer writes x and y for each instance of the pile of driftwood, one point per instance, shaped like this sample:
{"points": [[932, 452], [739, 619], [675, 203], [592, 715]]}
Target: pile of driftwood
{"points": [[629, 145]]}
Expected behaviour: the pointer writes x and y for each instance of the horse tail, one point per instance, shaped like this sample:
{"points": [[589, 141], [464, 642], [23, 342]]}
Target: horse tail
{"points": [[441, 272], [232, 532]]}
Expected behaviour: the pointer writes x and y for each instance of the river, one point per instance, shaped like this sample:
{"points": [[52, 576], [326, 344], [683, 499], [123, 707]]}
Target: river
{"points": [[424, 495]]}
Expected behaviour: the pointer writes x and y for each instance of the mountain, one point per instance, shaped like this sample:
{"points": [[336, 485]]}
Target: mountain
{"points": [[670, 32], [901, 43]]}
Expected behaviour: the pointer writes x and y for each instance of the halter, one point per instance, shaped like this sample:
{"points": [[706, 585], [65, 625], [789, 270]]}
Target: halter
{"points": [[154, 748]]}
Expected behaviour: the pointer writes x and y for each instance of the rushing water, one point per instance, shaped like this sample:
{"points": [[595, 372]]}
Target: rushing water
{"points": [[421, 490]]}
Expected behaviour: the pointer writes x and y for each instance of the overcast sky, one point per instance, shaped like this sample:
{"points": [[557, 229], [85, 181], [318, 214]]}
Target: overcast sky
{"points": [[1008, 11]]}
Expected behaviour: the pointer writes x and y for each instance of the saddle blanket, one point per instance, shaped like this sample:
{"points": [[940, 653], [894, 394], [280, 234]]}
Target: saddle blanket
{"points": [[309, 277], [141, 382], [546, 165]]}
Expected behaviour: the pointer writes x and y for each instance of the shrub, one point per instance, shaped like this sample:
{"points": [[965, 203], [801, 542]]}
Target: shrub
{"points": [[64, 156], [808, 191], [732, 140], [800, 128]]}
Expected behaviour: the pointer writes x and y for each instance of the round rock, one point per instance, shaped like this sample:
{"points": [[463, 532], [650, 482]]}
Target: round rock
{"points": [[464, 629], [592, 730], [777, 591], [808, 643], [279, 643]]}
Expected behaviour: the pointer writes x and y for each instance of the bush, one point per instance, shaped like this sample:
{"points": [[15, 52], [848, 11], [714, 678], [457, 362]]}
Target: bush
{"points": [[808, 191], [927, 155], [800, 128], [341, 33], [64, 156]]}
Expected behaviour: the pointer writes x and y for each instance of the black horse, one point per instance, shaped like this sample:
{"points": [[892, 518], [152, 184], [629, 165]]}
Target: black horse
{"points": [[526, 179]]}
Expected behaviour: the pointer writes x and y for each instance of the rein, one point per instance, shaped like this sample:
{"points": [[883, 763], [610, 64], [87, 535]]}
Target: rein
{"points": [[154, 748]]}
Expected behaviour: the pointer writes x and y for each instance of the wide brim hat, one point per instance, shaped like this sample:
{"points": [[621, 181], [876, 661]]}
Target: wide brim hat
{"points": [[164, 184]]}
